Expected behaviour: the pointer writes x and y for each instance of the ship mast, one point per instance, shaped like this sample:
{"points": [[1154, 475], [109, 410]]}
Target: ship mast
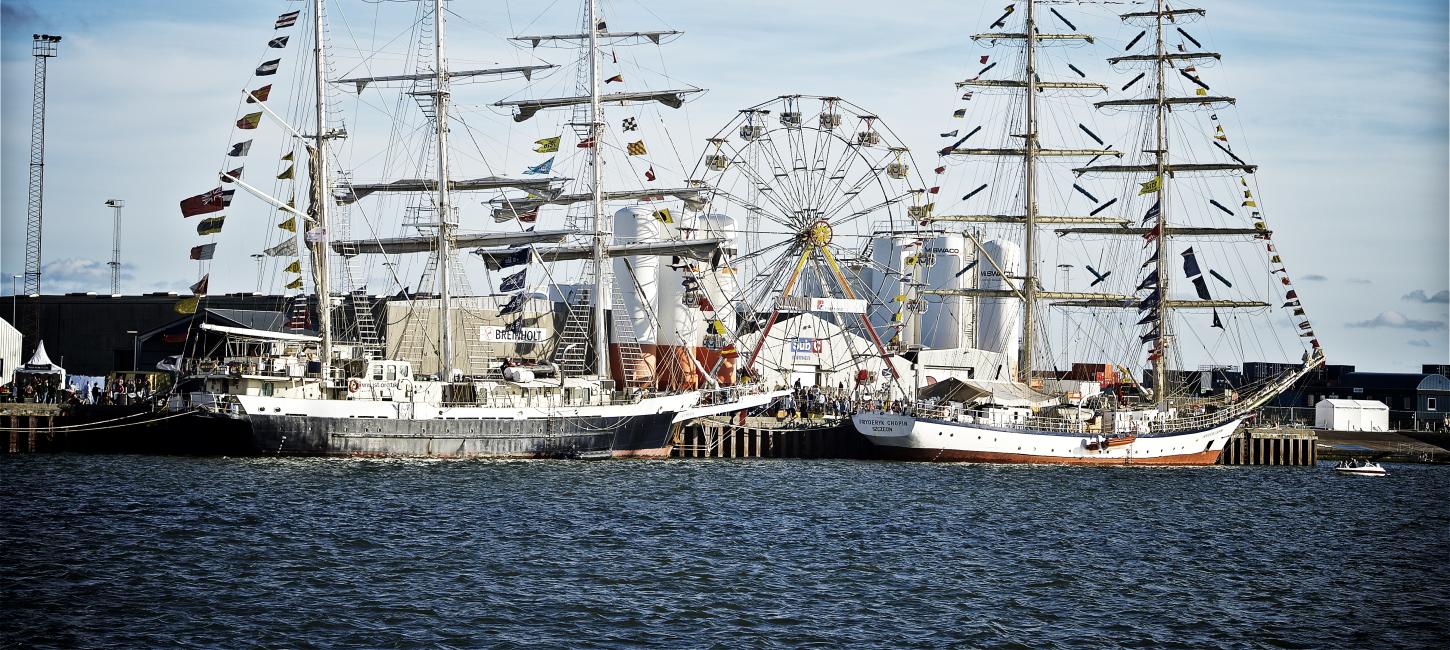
{"points": [[440, 112], [596, 207], [1160, 154], [322, 194], [1029, 220]]}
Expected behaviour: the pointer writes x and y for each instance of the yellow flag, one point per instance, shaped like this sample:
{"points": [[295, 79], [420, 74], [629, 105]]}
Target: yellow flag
{"points": [[287, 174], [1248, 194], [718, 326], [295, 284], [1155, 185], [290, 225], [900, 297], [1202, 92], [187, 305], [663, 214], [288, 156], [635, 148], [1251, 204], [294, 267], [547, 145]]}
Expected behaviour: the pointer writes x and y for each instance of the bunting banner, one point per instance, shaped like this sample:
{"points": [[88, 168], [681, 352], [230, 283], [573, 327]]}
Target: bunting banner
{"points": [[278, 43], [289, 173], [259, 95], [290, 225], [268, 68], [635, 148], [295, 284], [1155, 185], [240, 149], [287, 157], [231, 176], [210, 226], [201, 285], [203, 252], [287, 20], [547, 145], [1153, 212], [187, 305], [294, 267], [250, 121], [629, 124], [207, 202]]}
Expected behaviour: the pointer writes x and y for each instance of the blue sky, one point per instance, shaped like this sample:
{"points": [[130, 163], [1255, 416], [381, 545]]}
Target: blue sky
{"points": [[1343, 104]]}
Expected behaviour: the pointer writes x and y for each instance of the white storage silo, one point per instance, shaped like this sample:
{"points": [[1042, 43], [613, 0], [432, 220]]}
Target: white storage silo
{"points": [[722, 296], [637, 279], [998, 325], [947, 320]]}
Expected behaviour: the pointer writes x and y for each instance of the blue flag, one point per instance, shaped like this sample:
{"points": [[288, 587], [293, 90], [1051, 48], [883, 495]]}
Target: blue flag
{"points": [[513, 306], [541, 168]]}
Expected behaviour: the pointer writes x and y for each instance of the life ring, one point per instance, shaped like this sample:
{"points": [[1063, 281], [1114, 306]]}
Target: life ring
{"points": [[353, 385]]}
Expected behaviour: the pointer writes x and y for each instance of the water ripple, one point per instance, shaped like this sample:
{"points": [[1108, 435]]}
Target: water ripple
{"points": [[132, 551]]}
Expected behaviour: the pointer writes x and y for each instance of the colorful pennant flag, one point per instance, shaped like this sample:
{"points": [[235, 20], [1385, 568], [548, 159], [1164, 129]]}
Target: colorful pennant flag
{"points": [[290, 225], [514, 282], [1152, 186], [260, 94], [203, 252], [207, 202], [231, 176], [240, 149], [250, 121], [289, 173], [547, 145], [663, 214], [187, 305], [541, 168], [959, 113], [629, 124], [616, 78], [295, 284], [210, 225], [294, 267], [635, 148], [287, 20], [288, 248], [278, 43], [649, 174], [586, 143], [201, 285], [268, 68]]}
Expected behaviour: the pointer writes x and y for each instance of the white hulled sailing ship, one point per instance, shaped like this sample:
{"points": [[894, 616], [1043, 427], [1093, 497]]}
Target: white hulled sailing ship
{"points": [[318, 393], [1198, 210]]}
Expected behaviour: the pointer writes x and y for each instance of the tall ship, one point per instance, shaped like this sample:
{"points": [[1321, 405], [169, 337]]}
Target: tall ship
{"points": [[1156, 211], [536, 368]]}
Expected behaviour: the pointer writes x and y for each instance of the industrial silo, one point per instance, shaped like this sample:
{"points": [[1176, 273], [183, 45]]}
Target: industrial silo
{"points": [[998, 325]]}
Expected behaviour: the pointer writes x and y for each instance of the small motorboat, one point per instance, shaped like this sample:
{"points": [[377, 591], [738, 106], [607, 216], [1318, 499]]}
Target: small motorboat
{"points": [[1103, 444], [1360, 467]]}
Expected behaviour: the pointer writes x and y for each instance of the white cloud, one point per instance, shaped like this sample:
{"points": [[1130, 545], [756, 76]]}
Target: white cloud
{"points": [[1396, 320], [1419, 295]]}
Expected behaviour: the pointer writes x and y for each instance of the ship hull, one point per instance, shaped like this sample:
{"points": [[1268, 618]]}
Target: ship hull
{"points": [[899, 437], [291, 427]]}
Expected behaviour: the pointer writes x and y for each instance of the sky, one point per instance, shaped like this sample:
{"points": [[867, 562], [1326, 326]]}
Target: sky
{"points": [[1342, 103]]}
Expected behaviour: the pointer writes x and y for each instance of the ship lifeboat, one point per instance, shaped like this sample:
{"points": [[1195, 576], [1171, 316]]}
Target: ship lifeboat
{"points": [[1104, 444]]}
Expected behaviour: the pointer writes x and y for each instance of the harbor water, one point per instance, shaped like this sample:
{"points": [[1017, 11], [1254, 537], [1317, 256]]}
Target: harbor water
{"points": [[139, 551]]}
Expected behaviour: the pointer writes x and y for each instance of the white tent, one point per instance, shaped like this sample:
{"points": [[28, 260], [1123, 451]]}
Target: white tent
{"points": [[1351, 415]]}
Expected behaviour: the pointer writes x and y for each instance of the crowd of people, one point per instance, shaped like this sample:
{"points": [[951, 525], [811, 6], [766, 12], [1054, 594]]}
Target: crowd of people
{"points": [[816, 402], [47, 389]]}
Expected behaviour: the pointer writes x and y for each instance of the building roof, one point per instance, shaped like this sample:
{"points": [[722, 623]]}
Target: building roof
{"points": [[1394, 381], [1355, 404]]}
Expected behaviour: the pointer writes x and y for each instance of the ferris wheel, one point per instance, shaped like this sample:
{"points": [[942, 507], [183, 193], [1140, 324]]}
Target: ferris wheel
{"points": [[823, 188]]}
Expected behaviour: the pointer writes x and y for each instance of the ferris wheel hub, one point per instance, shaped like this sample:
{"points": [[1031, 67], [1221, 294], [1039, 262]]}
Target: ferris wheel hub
{"points": [[819, 234]]}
